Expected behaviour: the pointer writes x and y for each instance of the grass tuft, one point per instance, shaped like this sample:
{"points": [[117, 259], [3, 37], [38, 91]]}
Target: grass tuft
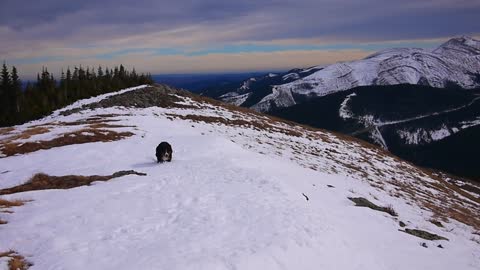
{"points": [[16, 261], [42, 181], [8, 204]]}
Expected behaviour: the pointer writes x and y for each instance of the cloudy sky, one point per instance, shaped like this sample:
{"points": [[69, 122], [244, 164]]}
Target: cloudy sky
{"points": [[199, 36]]}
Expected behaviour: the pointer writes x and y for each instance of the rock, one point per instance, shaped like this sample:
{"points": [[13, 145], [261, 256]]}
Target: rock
{"points": [[424, 234], [362, 202]]}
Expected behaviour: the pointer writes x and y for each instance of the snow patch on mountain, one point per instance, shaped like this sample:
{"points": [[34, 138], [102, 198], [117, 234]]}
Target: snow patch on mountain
{"points": [[344, 111], [414, 137], [377, 137], [234, 98], [467, 124], [441, 133], [455, 62], [280, 99], [291, 76], [246, 84], [422, 136]]}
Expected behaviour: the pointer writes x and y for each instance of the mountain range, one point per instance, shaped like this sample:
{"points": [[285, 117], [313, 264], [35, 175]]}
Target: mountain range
{"points": [[420, 104]]}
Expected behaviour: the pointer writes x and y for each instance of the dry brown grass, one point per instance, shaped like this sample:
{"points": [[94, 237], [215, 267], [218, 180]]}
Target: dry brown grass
{"points": [[29, 132], [16, 261], [96, 130], [255, 124], [8, 204], [109, 115], [4, 131], [451, 202], [87, 135], [105, 125], [453, 211], [88, 121], [43, 181]]}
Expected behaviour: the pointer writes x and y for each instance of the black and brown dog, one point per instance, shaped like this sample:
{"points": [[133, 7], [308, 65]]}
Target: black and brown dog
{"points": [[164, 152]]}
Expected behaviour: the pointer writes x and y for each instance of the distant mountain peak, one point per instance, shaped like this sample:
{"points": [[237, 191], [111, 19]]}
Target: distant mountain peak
{"points": [[464, 44], [467, 40]]}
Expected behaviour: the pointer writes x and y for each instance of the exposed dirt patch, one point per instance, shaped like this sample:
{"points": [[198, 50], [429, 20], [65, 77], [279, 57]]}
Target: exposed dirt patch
{"points": [[15, 260], [362, 202], [43, 181], [87, 135], [424, 234]]}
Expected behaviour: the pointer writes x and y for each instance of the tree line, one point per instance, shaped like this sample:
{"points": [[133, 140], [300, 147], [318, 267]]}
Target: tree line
{"points": [[21, 104]]}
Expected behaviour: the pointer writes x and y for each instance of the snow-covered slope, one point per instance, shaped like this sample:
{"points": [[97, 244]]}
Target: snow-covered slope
{"points": [[244, 191], [456, 62]]}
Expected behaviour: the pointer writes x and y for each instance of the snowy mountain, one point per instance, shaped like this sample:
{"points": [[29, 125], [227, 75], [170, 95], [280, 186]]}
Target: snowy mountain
{"points": [[249, 92], [454, 63], [244, 191]]}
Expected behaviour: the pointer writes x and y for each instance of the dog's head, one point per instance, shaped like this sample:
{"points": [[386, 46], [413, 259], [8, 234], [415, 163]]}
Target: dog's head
{"points": [[166, 155]]}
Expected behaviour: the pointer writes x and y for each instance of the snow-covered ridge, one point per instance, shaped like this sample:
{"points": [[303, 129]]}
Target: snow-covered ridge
{"points": [[237, 96], [454, 62], [234, 197], [82, 102]]}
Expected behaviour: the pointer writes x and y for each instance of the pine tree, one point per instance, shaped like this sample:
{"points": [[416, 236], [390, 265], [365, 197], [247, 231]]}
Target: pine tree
{"points": [[5, 76], [16, 92], [63, 87], [69, 75], [100, 71], [121, 73], [5, 85]]}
